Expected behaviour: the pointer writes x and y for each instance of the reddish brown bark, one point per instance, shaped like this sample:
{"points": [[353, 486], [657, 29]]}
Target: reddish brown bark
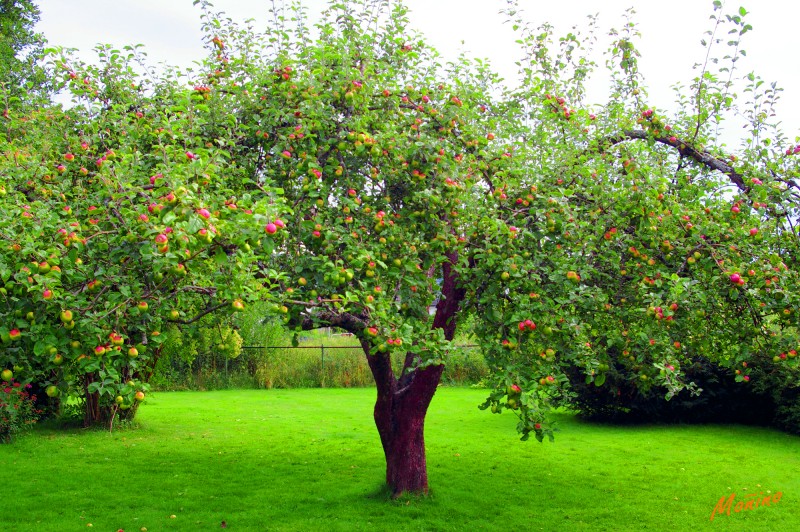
{"points": [[402, 403]]}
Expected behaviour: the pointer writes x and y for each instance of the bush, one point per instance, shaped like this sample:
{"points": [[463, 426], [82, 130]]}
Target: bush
{"points": [[765, 400], [722, 400], [17, 409]]}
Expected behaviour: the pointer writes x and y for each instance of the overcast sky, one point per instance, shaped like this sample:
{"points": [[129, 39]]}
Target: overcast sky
{"points": [[672, 30]]}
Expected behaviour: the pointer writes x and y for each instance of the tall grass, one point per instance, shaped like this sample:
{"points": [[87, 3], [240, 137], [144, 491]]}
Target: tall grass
{"points": [[339, 362], [324, 358]]}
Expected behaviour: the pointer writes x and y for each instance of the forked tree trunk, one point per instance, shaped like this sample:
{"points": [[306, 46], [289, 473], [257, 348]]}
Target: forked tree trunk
{"points": [[400, 419], [402, 403]]}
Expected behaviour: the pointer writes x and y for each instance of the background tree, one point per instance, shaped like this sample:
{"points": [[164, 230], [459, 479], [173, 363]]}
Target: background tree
{"points": [[117, 220], [20, 50]]}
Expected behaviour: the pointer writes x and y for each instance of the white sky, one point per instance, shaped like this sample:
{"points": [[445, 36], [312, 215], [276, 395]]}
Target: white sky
{"points": [[170, 31]]}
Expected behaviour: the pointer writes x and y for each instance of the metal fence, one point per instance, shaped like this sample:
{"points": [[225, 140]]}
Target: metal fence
{"points": [[344, 366]]}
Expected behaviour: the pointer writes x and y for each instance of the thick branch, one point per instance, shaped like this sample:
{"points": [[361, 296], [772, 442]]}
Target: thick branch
{"points": [[452, 295], [685, 150], [327, 318]]}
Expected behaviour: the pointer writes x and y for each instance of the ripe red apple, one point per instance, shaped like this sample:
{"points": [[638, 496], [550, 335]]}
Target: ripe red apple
{"points": [[270, 228], [753, 231], [735, 278]]}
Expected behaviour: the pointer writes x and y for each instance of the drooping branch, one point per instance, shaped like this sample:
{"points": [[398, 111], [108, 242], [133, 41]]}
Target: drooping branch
{"points": [[685, 149], [206, 311]]}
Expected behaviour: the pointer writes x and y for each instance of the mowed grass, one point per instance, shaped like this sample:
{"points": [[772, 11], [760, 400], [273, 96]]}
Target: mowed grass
{"points": [[311, 460]]}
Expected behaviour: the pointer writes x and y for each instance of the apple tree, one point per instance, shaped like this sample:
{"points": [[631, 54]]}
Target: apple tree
{"points": [[614, 238], [119, 216]]}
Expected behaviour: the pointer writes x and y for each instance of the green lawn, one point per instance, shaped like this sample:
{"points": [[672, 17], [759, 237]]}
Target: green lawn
{"points": [[311, 460]]}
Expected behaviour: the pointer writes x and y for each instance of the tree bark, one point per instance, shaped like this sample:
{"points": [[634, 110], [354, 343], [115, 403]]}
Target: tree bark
{"points": [[400, 418]]}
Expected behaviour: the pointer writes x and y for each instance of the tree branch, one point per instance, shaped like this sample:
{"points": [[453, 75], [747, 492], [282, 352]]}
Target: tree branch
{"points": [[685, 150]]}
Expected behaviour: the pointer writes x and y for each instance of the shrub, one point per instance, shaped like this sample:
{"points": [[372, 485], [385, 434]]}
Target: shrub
{"points": [[765, 400], [17, 409]]}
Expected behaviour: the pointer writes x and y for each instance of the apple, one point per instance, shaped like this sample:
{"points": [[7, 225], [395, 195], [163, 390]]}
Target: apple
{"points": [[14, 334], [133, 352], [7, 375], [58, 359], [142, 306], [51, 391], [119, 399], [505, 276], [66, 316], [139, 396], [237, 305], [99, 350], [754, 231], [736, 278], [270, 228]]}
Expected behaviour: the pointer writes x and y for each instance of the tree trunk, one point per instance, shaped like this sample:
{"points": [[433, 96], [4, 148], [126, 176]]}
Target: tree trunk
{"points": [[402, 403], [400, 419]]}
